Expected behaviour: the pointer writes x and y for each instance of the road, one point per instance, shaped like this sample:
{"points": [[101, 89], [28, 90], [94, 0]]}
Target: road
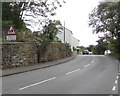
{"points": [[88, 74]]}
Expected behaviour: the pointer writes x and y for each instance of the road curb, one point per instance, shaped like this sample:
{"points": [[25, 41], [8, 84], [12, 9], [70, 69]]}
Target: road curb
{"points": [[49, 64]]}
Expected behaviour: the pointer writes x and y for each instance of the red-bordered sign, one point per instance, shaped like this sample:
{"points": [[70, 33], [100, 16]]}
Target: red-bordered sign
{"points": [[11, 31]]}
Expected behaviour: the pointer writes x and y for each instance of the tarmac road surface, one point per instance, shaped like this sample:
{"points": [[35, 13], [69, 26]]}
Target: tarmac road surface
{"points": [[86, 74]]}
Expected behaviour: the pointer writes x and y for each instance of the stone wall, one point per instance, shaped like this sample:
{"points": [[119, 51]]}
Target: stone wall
{"points": [[22, 54], [55, 51], [18, 54]]}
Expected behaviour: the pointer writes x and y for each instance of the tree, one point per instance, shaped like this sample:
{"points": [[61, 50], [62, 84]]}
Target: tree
{"points": [[11, 16], [50, 31], [106, 18], [32, 12], [27, 14], [101, 46], [38, 13], [90, 48]]}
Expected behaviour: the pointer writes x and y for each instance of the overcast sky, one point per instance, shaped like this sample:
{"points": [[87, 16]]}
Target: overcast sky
{"points": [[75, 14]]}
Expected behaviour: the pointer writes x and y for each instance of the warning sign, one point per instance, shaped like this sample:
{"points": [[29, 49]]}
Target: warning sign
{"points": [[11, 34], [11, 31]]}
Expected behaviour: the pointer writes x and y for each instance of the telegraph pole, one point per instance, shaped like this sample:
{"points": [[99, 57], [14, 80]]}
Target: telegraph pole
{"points": [[64, 31]]}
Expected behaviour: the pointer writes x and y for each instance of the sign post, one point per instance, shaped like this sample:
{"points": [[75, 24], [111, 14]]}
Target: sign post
{"points": [[11, 36]]}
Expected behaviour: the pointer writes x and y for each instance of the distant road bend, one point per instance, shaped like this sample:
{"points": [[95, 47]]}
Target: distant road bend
{"points": [[87, 74]]}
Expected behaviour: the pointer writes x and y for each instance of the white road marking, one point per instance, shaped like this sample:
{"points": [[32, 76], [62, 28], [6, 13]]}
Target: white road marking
{"points": [[116, 82], [117, 61], [72, 71], [114, 87], [117, 77], [37, 83], [93, 61], [86, 65]]}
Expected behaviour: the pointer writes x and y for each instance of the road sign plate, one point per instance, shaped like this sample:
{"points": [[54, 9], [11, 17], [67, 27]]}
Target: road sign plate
{"points": [[11, 37]]}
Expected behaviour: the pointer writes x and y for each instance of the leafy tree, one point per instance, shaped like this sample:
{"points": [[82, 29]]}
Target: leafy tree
{"points": [[38, 13], [101, 46], [74, 49], [11, 15], [29, 11], [50, 31], [106, 18], [90, 48], [22, 14]]}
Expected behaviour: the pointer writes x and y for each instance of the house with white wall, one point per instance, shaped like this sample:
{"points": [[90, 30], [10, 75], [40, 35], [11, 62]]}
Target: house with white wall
{"points": [[75, 42], [66, 36]]}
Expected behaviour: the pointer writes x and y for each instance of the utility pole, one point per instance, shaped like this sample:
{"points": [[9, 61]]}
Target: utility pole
{"points": [[64, 31]]}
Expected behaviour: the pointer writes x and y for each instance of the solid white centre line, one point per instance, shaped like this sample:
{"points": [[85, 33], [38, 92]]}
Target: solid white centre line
{"points": [[86, 65], [114, 87], [37, 83], [72, 71]]}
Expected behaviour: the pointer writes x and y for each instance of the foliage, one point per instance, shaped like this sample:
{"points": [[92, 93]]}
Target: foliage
{"points": [[38, 13], [90, 48], [106, 18], [113, 45], [17, 12], [25, 36], [11, 16], [22, 14], [116, 55], [50, 31], [74, 49], [100, 47], [83, 48], [20, 36]]}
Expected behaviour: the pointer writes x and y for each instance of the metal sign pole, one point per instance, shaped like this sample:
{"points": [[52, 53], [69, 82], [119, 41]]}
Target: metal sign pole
{"points": [[10, 54]]}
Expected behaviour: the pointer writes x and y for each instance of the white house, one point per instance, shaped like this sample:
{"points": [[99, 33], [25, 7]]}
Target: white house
{"points": [[75, 42], [66, 36]]}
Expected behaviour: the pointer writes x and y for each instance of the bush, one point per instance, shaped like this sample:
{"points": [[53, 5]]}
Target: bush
{"points": [[115, 55], [74, 49]]}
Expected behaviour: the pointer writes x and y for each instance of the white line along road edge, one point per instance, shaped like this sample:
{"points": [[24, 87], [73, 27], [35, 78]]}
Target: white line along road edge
{"points": [[114, 87], [37, 83], [116, 82]]}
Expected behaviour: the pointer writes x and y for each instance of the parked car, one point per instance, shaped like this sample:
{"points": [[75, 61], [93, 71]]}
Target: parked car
{"points": [[90, 53], [107, 52], [85, 52]]}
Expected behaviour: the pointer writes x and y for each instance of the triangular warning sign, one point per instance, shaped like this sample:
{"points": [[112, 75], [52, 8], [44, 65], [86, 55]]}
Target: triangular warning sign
{"points": [[11, 31]]}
